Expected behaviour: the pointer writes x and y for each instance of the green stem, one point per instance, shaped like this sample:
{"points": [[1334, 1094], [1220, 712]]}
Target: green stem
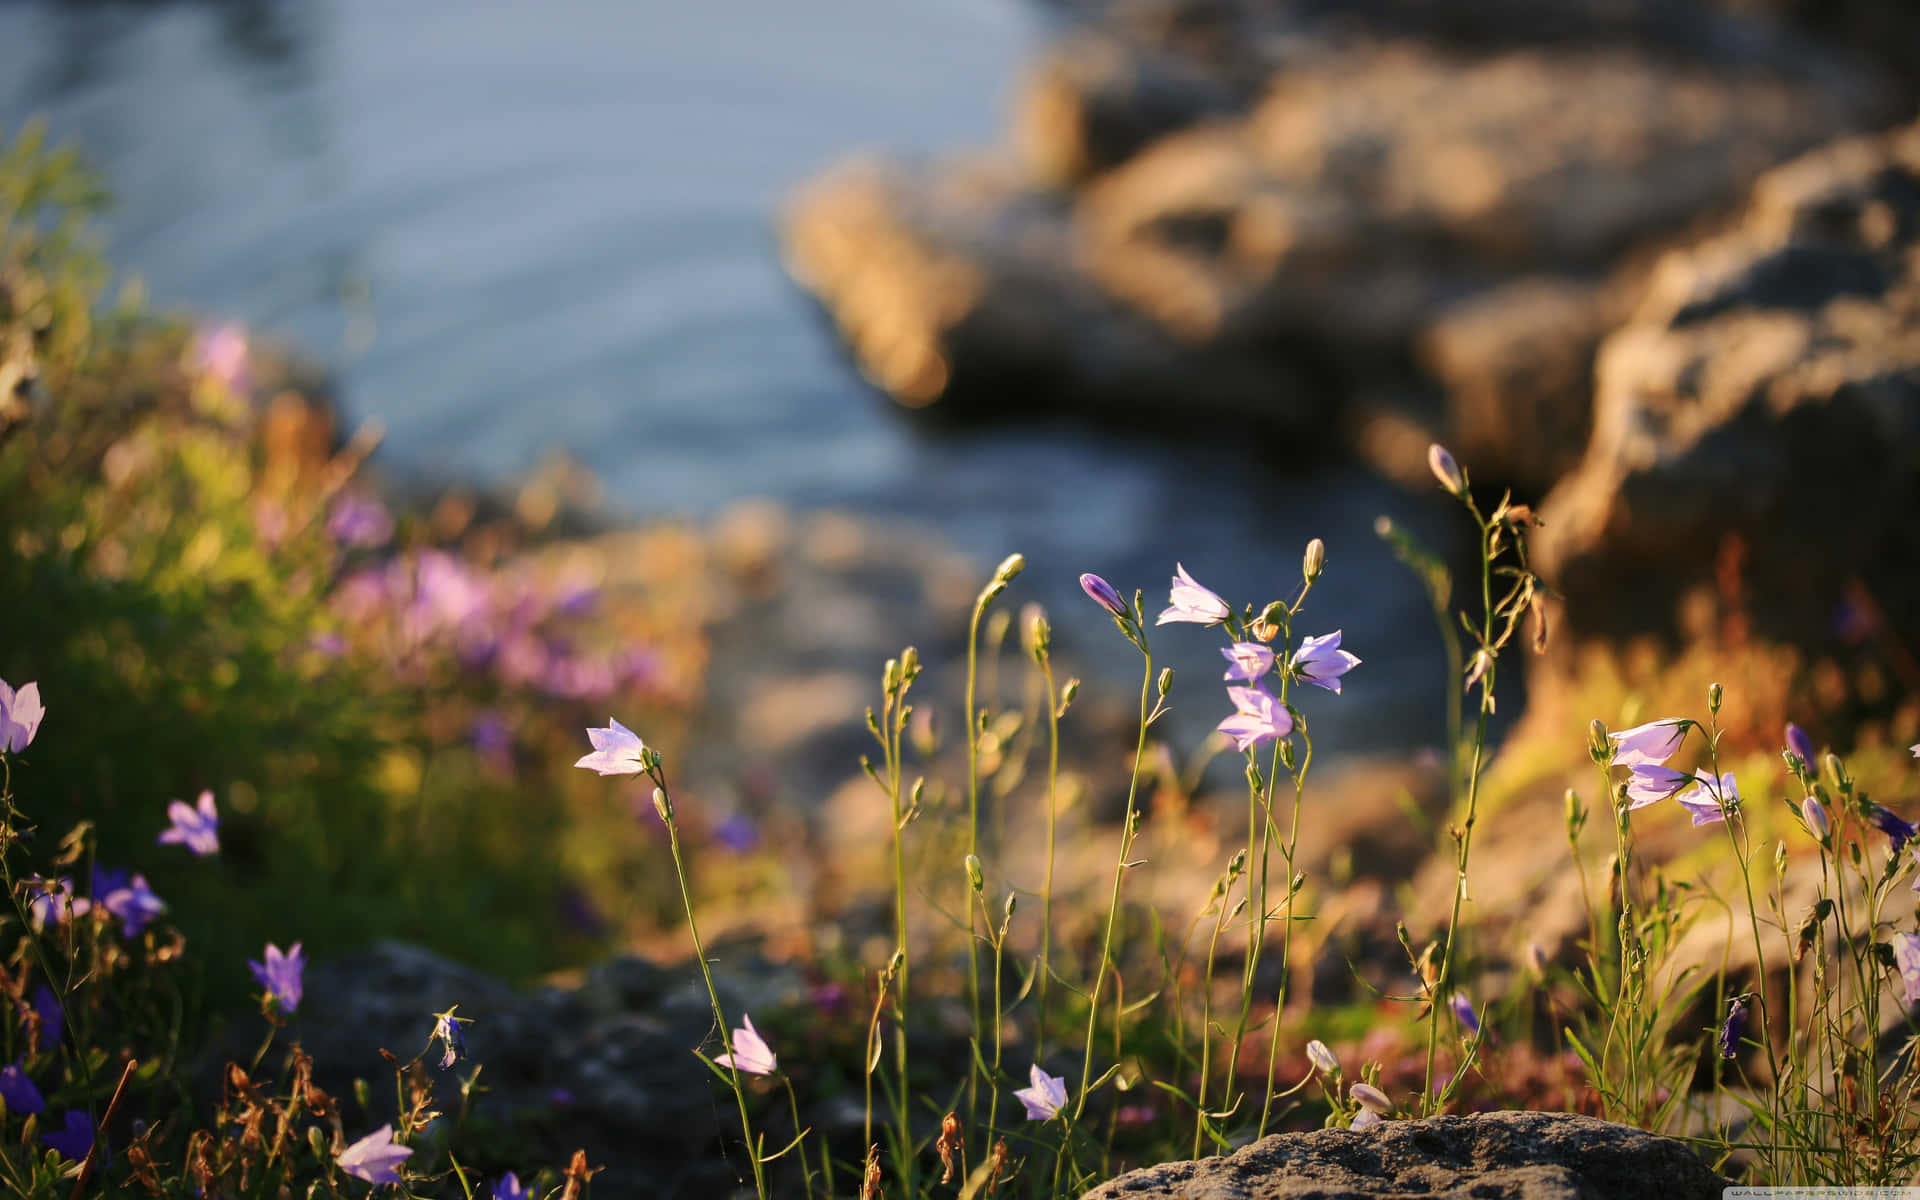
{"points": [[1046, 891], [1113, 902], [706, 974]]}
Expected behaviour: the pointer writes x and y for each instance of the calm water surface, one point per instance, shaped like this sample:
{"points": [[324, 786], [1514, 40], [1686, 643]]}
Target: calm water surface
{"points": [[513, 226]]}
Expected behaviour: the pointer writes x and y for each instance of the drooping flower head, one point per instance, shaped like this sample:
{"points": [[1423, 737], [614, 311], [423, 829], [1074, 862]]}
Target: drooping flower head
{"points": [[1370, 1097], [1650, 783], [446, 1031], [75, 1137], [20, 714], [134, 903], [1259, 718], [1321, 662], [1710, 800], [750, 1053], [195, 827], [375, 1158], [1653, 742], [1734, 1029], [1247, 661], [1906, 957], [1192, 603], [1046, 1096], [1322, 1058], [1897, 830], [617, 750], [19, 1093], [1103, 594], [281, 975]]}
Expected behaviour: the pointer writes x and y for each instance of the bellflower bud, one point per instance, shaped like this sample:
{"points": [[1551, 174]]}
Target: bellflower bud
{"points": [[976, 874], [1714, 695], [1315, 560], [1102, 593], [1009, 567], [1801, 747], [1445, 469], [1815, 815]]}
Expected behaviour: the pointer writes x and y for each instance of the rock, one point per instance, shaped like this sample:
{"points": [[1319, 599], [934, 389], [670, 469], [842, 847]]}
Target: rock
{"points": [[1761, 365], [1491, 1156], [1092, 101], [1252, 266]]}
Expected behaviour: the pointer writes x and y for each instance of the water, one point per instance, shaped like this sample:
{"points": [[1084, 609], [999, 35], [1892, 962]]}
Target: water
{"points": [[510, 226]]}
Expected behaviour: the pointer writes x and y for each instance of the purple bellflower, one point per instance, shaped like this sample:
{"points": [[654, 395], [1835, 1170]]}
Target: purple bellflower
{"points": [[1321, 662], [1322, 1058], [1046, 1096], [1103, 594], [1906, 957], [281, 975], [751, 1054], [1369, 1097], [1736, 1026], [195, 827], [1463, 1011], [1260, 718], [1800, 746], [358, 519], [20, 714], [1654, 742], [19, 1093], [509, 1187], [1366, 1118], [1814, 814], [1247, 661], [1192, 603], [1650, 783], [1445, 469], [75, 1139], [1710, 800], [1898, 831], [617, 750], [446, 1031], [375, 1158], [134, 903]]}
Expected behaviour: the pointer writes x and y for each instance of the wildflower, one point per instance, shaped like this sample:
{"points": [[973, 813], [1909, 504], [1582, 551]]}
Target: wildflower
{"points": [[617, 750], [737, 833], [133, 902], [1463, 1011], [1650, 783], [46, 1007], [1046, 1097], [374, 1158], [509, 1187], [1103, 594], [1247, 661], [1445, 469], [1370, 1097], [1322, 1058], [1260, 718], [750, 1053], [1366, 1118], [1814, 814], [20, 714], [54, 901], [19, 1093], [446, 1031], [1897, 830], [1906, 956], [1654, 742], [75, 1140], [280, 975], [1800, 746], [1736, 1025], [358, 519], [1193, 603], [221, 354], [1321, 662], [196, 828], [1708, 800]]}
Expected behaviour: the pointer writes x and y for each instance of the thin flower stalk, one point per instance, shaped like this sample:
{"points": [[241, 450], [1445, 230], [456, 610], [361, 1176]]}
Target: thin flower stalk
{"points": [[1053, 702]]}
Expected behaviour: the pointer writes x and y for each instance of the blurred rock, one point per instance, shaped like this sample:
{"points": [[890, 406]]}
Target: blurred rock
{"points": [[1491, 1156], [1371, 203], [1762, 368]]}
